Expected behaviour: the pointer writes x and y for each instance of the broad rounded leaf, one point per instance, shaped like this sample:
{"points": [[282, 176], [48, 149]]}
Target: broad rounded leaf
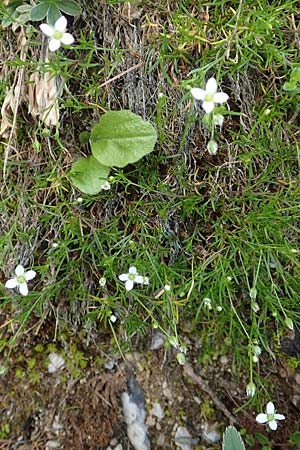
{"points": [[69, 7], [39, 11], [88, 175], [122, 138], [53, 14]]}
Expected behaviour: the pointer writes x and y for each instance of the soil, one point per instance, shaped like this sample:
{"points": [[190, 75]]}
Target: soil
{"points": [[78, 406]]}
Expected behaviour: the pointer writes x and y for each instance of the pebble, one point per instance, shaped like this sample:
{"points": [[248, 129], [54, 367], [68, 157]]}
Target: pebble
{"points": [[52, 444], [56, 363], [210, 435], [157, 411], [158, 340], [183, 439]]}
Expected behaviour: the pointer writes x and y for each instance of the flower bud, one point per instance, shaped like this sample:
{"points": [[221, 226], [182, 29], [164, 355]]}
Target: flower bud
{"points": [[250, 389], [212, 147]]}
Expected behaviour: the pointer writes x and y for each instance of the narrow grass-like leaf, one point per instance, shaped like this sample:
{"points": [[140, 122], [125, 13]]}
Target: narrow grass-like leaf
{"points": [[122, 138], [88, 175]]}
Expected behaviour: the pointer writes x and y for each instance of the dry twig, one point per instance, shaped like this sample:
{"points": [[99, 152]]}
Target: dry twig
{"points": [[205, 387]]}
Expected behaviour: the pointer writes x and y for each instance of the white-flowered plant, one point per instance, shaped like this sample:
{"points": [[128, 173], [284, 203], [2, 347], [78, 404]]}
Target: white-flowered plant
{"points": [[102, 281], [113, 318], [57, 34], [20, 280], [250, 389], [210, 98], [131, 278], [270, 417]]}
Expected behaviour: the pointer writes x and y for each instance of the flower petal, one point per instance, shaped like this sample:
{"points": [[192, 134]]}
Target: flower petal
{"points": [[29, 275], [61, 24], [129, 285], [198, 93], [67, 39], [47, 29], [279, 417], [273, 425], [270, 409], [208, 106], [54, 44], [19, 270], [139, 279], [211, 86], [23, 289], [261, 418], [133, 270], [220, 97], [123, 277], [12, 283]]}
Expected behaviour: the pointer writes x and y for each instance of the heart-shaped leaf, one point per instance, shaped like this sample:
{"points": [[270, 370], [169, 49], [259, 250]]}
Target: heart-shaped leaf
{"points": [[88, 175], [122, 138]]}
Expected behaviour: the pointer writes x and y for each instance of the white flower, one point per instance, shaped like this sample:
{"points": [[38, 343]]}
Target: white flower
{"points": [[102, 281], [113, 318], [130, 278], [209, 96], [146, 281], [167, 287], [207, 302], [106, 186], [20, 280], [270, 417], [57, 33], [56, 362]]}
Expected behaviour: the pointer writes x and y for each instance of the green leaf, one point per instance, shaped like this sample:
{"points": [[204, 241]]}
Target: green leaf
{"points": [[289, 86], [122, 138], [232, 440], [295, 75], [39, 11], [88, 175], [261, 438], [69, 7], [53, 14], [295, 438]]}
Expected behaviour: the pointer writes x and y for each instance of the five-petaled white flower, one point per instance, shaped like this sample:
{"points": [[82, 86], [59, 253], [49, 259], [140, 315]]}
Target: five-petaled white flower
{"points": [[20, 280], [57, 33], [209, 96], [131, 277], [270, 417]]}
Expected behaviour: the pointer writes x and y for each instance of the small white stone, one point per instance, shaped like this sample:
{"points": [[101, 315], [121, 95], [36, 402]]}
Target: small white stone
{"points": [[157, 411], [56, 362], [52, 444], [158, 340], [209, 433], [118, 447], [183, 439]]}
